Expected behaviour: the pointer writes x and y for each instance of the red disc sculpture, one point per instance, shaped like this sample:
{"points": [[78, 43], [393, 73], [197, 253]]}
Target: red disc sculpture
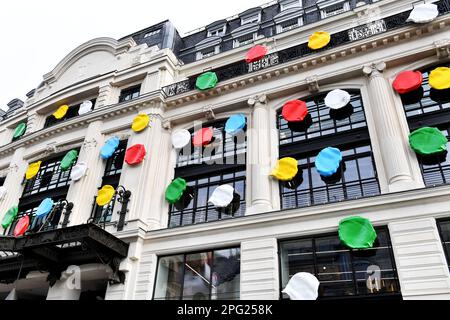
{"points": [[21, 226], [135, 154], [294, 111], [203, 137], [255, 54], [407, 81]]}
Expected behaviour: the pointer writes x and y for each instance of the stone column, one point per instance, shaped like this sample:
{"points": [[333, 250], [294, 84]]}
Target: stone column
{"points": [[13, 182], [392, 141], [259, 157], [82, 192], [148, 181], [421, 264], [259, 270]]}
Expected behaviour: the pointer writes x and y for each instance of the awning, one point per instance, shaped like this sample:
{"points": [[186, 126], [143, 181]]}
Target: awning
{"points": [[53, 251]]}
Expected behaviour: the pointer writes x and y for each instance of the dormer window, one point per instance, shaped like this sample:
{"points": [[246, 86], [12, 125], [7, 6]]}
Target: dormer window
{"points": [[206, 53], [244, 40], [289, 25], [152, 33], [256, 18], [332, 8], [288, 4], [216, 32]]}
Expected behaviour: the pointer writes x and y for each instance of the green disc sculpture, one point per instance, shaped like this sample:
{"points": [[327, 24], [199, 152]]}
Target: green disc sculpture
{"points": [[9, 217], [69, 160], [357, 233], [20, 130], [207, 80], [428, 141], [175, 190]]}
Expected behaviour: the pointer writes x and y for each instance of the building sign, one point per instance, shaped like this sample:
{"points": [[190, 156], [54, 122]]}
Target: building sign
{"points": [[266, 62], [367, 30]]}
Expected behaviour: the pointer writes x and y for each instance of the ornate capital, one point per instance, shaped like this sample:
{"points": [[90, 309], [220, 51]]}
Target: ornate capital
{"points": [[442, 48], [50, 149], [313, 84], [167, 125], [260, 99], [374, 69], [90, 144], [209, 113], [13, 168]]}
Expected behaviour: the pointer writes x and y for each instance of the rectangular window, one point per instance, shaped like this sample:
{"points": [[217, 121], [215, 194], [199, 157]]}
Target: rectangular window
{"points": [[290, 4], [111, 177], [426, 107], [347, 132], [251, 19], [205, 168], [444, 231], [216, 33], [288, 25], [244, 40], [129, 93], [152, 33], [71, 113], [208, 275], [335, 10], [366, 273]]}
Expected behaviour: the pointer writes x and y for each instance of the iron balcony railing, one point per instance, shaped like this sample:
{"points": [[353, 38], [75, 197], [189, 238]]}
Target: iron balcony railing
{"points": [[283, 56]]}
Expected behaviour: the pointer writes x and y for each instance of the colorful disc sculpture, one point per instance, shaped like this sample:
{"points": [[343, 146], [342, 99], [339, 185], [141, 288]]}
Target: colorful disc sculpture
{"points": [[328, 161], [78, 171], [423, 13], [428, 141], [140, 122], [206, 81], [135, 154], [319, 40], [105, 195], [203, 137], [20, 130], [408, 81], [21, 226], [357, 233], [235, 124], [109, 148], [175, 190], [294, 111], [286, 169], [440, 78], [61, 112], [302, 286], [337, 99], [85, 107], [255, 54], [181, 138], [9, 217], [45, 207], [33, 170], [68, 160], [222, 196]]}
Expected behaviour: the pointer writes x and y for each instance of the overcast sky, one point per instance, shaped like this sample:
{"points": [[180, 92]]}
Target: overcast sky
{"points": [[36, 35]]}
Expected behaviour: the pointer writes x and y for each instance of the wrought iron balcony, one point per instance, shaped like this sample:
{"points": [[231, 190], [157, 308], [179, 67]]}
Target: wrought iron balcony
{"points": [[283, 56]]}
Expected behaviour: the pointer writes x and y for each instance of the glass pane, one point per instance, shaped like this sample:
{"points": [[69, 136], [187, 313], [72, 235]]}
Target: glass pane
{"points": [[169, 278], [226, 275], [197, 276]]}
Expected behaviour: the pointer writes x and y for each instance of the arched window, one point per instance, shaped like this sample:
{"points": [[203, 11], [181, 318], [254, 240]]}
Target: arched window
{"points": [[345, 130], [427, 107], [221, 162]]}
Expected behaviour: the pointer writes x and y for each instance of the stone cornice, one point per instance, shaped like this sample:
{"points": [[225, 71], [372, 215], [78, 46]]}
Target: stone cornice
{"points": [[310, 61], [106, 112]]}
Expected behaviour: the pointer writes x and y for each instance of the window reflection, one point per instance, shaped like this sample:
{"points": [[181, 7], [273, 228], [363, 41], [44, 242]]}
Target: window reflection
{"points": [[199, 276]]}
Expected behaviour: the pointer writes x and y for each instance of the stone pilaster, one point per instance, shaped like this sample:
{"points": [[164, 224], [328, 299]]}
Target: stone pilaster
{"points": [[13, 182], [259, 157], [35, 122], [149, 179], [391, 139], [82, 192], [104, 98]]}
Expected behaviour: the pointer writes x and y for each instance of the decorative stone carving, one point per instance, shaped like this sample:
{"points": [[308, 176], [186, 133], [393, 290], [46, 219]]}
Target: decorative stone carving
{"points": [[261, 99], [209, 113], [50, 149], [13, 168], [90, 144], [313, 84], [374, 69], [442, 48]]}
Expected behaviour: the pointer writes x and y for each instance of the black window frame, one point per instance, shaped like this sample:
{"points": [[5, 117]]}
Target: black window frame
{"points": [[111, 176], [350, 133], [442, 237], [72, 112], [130, 93], [313, 238], [184, 269], [232, 161], [430, 113]]}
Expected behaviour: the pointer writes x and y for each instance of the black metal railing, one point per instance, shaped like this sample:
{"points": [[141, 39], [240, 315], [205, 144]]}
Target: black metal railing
{"points": [[57, 218], [283, 56]]}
